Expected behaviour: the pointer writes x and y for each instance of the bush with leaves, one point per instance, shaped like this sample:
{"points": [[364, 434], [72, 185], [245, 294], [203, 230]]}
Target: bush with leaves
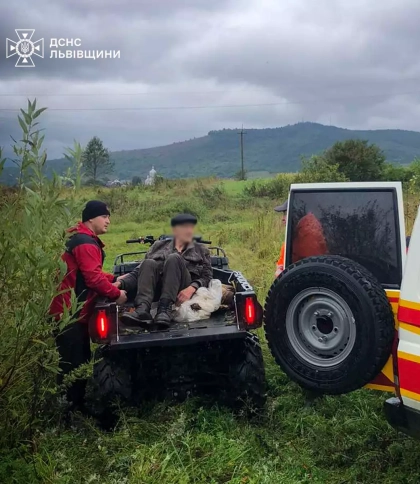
{"points": [[241, 175], [33, 222], [318, 170], [75, 172], [277, 188], [356, 160], [135, 181], [29, 160], [212, 196]]}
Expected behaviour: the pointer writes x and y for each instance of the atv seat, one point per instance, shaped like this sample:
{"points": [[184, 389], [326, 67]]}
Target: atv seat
{"points": [[125, 268], [219, 262]]}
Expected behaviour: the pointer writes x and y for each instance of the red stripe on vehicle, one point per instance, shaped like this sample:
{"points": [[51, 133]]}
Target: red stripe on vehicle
{"points": [[409, 373], [408, 315], [393, 299]]}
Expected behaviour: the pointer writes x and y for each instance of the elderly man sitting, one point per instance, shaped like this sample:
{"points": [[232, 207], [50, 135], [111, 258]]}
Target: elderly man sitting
{"points": [[171, 273]]}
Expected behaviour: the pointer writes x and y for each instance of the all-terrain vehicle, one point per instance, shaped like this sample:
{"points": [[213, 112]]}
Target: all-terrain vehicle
{"points": [[345, 313], [219, 356]]}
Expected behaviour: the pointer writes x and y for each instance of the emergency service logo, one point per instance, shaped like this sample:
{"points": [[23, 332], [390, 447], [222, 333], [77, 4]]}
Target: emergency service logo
{"points": [[24, 48]]}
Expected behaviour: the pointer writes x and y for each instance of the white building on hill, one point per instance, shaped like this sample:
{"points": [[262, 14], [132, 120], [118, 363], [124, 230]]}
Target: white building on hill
{"points": [[151, 177]]}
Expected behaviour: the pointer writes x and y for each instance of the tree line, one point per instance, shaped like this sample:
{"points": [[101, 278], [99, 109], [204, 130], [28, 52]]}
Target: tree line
{"points": [[357, 160]]}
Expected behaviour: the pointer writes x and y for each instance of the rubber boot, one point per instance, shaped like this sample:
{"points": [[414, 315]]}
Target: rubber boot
{"points": [[139, 317], [163, 317]]}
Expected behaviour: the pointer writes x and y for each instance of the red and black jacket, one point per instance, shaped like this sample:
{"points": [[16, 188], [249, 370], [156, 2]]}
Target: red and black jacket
{"points": [[84, 257]]}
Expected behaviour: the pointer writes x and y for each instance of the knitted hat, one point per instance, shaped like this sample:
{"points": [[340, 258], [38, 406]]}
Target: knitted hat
{"points": [[93, 209]]}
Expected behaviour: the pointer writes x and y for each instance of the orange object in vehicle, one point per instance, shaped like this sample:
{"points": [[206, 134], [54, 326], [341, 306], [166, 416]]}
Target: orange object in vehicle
{"points": [[308, 239], [281, 261]]}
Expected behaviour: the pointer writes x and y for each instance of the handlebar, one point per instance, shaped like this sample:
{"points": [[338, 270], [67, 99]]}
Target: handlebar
{"points": [[149, 239]]}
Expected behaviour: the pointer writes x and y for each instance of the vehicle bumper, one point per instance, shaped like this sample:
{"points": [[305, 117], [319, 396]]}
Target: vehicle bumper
{"points": [[176, 337], [402, 418]]}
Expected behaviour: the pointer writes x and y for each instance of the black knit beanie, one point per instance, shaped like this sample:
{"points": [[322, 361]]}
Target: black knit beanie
{"points": [[93, 209]]}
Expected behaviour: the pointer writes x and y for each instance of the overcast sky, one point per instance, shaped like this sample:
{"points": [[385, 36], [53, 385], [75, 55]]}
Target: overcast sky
{"points": [[191, 66]]}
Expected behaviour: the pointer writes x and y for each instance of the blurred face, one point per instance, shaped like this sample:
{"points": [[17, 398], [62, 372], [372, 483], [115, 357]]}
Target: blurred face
{"points": [[100, 224], [184, 233]]}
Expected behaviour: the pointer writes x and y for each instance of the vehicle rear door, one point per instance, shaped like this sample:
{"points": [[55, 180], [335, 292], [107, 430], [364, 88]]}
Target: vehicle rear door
{"points": [[361, 221]]}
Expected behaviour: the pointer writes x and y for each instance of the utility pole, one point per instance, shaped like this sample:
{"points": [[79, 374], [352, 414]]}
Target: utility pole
{"points": [[242, 132]]}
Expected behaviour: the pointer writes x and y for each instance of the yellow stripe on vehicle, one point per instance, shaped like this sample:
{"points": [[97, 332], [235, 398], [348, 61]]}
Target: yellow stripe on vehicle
{"points": [[382, 388], [409, 304], [409, 356], [394, 306], [410, 327], [408, 394], [392, 293]]}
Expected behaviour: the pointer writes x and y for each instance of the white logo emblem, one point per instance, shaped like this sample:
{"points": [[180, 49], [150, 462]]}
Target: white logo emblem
{"points": [[25, 48]]}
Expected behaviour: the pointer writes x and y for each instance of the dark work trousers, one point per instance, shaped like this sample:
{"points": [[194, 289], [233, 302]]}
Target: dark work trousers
{"points": [[73, 345], [161, 280]]}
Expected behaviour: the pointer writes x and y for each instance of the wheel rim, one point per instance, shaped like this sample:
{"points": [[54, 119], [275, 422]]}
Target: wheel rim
{"points": [[321, 327]]}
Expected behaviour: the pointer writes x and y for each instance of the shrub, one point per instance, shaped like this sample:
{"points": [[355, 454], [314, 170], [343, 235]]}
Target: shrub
{"points": [[33, 225], [356, 159], [277, 188], [317, 170], [135, 181], [394, 172], [211, 196]]}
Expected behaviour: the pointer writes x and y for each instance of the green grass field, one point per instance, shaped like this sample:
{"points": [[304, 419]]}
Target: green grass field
{"points": [[332, 440]]}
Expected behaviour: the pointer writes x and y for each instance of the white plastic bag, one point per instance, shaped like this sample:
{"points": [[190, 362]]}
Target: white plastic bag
{"points": [[208, 299]]}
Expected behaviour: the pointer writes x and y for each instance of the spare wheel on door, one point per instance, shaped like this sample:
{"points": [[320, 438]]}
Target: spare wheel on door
{"points": [[329, 324]]}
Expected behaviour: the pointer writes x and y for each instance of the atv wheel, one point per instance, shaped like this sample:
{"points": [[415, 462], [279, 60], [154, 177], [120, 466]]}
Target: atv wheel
{"points": [[247, 383], [110, 378], [329, 324]]}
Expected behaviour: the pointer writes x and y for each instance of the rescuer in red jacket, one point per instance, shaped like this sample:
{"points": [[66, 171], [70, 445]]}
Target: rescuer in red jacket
{"points": [[84, 257]]}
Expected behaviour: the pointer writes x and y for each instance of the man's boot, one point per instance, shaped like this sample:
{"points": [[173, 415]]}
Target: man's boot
{"points": [[163, 316], [139, 317]]}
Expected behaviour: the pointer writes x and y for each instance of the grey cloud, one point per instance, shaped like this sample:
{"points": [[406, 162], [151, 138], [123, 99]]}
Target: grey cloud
{"points": [[147, 8], [350, 63], [321, 50], [144, 33]]}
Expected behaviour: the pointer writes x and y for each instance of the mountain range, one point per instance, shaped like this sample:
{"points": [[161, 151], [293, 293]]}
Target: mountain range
{"points": [[270, 150]]}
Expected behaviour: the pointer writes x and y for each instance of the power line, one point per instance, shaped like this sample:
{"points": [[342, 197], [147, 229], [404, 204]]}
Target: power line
{"points": [[213, 106], [226, 106], [141, 93], [132, 93]]}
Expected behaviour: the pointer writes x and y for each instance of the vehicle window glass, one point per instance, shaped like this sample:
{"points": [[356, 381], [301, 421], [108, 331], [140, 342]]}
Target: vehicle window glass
{"points": [[358, 224]]}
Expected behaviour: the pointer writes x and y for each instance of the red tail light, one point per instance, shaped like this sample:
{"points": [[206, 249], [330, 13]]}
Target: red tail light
{"points": [[102, 324], [250, 310]]}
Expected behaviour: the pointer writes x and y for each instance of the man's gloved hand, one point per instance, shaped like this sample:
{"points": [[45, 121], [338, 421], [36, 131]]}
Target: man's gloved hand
{"points": [[122, 299], [117, 284], [185, 295]]}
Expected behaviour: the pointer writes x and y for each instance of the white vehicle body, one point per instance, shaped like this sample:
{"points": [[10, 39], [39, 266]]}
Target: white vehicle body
{"points": [[397, 268]]}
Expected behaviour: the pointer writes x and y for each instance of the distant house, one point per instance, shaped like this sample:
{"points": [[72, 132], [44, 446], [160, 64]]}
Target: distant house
{"points": [[117, 183]]}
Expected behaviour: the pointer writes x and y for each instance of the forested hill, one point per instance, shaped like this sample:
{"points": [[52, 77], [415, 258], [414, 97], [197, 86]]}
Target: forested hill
{"points": [[272, 150]]}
